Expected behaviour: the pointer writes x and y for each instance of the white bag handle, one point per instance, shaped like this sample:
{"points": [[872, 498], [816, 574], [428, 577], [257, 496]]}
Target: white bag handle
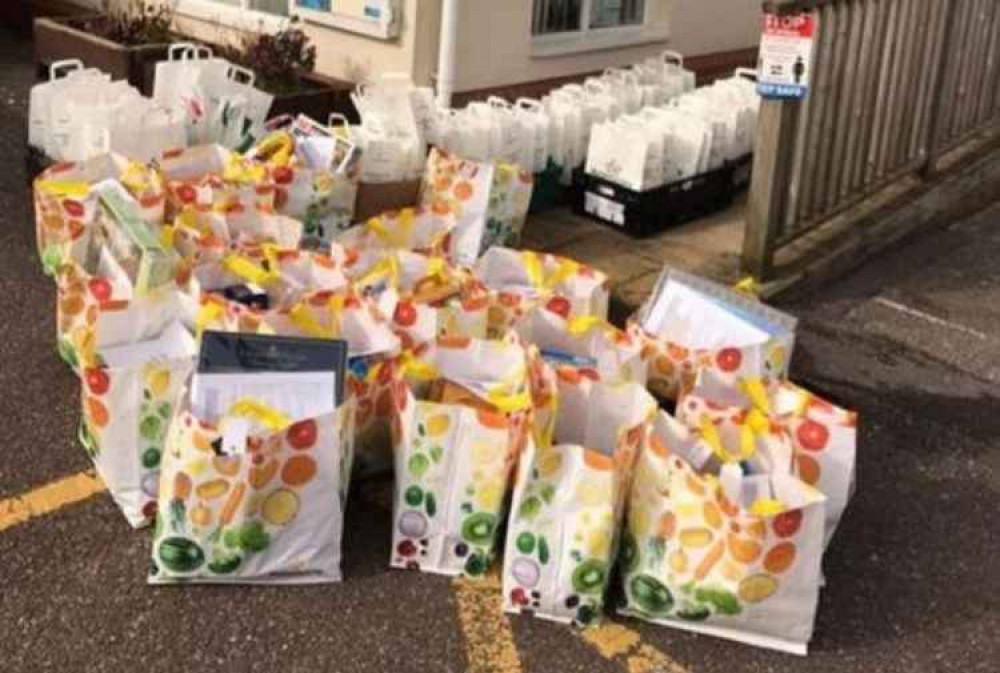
{"points": [[235, 72], [177, 50], [672, 57], [338, 117], [68, 65], [530, 104], [499, 103]]}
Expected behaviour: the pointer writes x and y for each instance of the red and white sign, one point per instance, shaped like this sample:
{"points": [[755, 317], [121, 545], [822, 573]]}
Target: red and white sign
{"points": [[786, 50]]}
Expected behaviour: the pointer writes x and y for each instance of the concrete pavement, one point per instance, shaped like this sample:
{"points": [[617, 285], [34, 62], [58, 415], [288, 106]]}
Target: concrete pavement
{"points": [[910, 340]]}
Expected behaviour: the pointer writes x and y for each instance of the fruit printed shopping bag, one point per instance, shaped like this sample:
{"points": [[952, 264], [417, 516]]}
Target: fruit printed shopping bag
{"points": [[93, 311], [271, 513], [419, 229], [588, 344], [731, 556], [510, 197], [66, 203], [210, 177], [127, 408], [284, 277], [462, 188], [443, 301], [777, 427], [690, 323], [522, 280], [307, 184], [208, 236], [568, 504], [454, 447]]}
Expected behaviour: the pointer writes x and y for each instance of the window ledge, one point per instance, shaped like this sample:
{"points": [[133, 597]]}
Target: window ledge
{"points": [[597, 39], [228, 16]]}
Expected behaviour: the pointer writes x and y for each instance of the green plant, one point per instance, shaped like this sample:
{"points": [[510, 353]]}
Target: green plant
{"points": [[137, 22], [278, 59]]}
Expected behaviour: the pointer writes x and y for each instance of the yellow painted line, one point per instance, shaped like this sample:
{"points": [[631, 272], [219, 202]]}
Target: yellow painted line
{"points": [[489, 641], [621, 644], [49, 498]]}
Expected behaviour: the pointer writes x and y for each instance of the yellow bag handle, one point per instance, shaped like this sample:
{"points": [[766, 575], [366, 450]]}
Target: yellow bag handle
{"points": [[303, 318], [567, 269], [167, 232], [208, 313], [387, 267], [507, 402], [417, 369], [134, 177], [264, 414], [246, 268], [755, 390], [583, 324], [767, 507], [74, 188], [238, 169]]}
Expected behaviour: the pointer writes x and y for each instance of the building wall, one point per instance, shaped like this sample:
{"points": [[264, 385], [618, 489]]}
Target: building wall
{"points": [[339, 53], [495, 45]]}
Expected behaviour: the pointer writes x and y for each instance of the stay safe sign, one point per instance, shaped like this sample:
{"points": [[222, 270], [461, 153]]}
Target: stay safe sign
{"points": [[786, 50]]}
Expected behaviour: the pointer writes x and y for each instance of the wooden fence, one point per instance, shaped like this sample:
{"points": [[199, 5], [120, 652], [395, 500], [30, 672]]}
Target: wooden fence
{"points": [[895, 84]]}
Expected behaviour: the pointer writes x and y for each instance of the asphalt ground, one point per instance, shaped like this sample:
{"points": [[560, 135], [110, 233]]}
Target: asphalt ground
{"points": [[911, 340]]}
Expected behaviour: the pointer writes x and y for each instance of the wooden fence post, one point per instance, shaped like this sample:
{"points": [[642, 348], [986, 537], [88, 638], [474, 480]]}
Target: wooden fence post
{"points": [[769, 188]]}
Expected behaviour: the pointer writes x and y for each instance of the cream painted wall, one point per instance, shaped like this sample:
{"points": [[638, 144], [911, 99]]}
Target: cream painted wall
{"points": [[340, 54], [495, 46]]}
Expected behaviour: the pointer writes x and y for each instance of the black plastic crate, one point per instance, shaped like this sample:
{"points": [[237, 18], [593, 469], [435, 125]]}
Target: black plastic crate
{"points": [[652, 211]]}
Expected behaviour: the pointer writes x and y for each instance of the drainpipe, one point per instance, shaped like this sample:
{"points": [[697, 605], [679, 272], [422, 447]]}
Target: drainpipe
{"points": [[447, 50]]}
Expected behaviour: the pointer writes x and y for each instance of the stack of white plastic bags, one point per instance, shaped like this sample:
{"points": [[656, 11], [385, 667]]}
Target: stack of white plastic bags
{"points": [[694, 133], [81, 113]]}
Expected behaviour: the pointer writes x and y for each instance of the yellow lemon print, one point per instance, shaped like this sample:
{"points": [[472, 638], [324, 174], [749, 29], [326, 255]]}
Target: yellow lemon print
{"points": [[549, 462], [158, 381], [592, 494], [197, 467], [438, 425], [490, 496], [280, 507], [484, 453], [599, 543]]}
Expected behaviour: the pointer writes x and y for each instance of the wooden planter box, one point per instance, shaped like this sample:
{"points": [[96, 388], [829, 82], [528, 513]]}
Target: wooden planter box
{"points": [[322, 96], [57, 39], [20, 14]]}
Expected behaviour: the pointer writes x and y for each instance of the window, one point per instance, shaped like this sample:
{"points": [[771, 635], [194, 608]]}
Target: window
{"points": [[275, 7], [269, 15], [569, 16]]}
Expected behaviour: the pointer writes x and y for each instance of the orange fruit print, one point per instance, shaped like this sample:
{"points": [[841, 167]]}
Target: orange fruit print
{"points": [[298, 470]]}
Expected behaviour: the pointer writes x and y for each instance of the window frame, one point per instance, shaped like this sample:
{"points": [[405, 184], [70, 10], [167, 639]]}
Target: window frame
{"points": [[586, 39], [228, 16]]}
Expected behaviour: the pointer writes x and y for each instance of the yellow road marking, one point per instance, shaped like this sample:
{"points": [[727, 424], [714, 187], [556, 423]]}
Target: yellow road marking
{"points": [[48, 498], [620, 643], [489, 641]]}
